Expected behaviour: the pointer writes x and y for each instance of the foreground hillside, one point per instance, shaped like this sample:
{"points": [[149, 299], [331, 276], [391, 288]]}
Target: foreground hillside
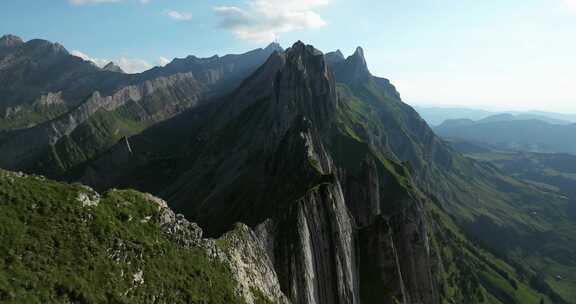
{"points": [[66, 243]]}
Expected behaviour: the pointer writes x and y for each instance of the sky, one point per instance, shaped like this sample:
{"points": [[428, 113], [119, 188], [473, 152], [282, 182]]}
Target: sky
{"points": [[491, 54]]}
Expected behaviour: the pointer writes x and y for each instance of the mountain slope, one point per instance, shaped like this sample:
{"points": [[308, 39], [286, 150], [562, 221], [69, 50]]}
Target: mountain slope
{"points": [[437, 115], [67, 243], [67, 110], [309, 155], [494, 209], [531, 135]]}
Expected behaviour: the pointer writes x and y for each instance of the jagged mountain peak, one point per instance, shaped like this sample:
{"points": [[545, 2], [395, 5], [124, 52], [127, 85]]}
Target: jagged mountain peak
{"points": [[274, 46], [112, 67], [334, 57], [306, 57], [10, 41], [45, 45], [358, 62], [352, 69], [359, 53], [299, 48]]}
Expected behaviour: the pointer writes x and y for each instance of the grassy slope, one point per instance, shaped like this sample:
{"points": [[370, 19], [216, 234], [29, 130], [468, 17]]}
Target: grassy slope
{"points": [[470, 274], [97, 134], [55, 250], [554, 173]]}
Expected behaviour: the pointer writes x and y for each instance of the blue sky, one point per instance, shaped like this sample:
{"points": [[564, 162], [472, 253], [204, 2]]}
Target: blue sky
{"points": [[513, 54]]}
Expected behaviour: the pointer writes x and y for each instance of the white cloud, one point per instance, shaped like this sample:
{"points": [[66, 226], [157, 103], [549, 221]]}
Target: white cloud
{"points": [[129, 65], [263, 20], [163, 61], [178, 16], [98, 61], [570, 4]]}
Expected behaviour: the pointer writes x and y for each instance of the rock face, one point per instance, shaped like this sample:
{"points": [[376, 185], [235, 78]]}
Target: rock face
{"points": [[10, 41], [272, 154], [112, 67], [252, 268], [240, 249]]}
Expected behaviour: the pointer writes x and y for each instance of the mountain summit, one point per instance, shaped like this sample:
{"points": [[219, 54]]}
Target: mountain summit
{"points": [[112, 67], [354, 68], [8, 41]]}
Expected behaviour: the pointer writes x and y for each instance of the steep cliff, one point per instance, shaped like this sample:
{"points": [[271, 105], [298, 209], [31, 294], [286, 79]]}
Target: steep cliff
{"points": [[342, 219], [515, 220]]}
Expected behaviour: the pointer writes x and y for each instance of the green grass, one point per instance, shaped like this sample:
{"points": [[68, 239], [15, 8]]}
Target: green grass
{"points": [[55, 250]]}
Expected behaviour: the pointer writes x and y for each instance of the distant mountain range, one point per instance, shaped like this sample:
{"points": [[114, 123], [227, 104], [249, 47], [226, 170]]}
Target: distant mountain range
{"points": [[437, 115], [345, 193], [513, 132]]}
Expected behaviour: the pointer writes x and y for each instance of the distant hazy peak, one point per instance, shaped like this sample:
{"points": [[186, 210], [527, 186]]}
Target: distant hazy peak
{"points": [[334, 57], [274, 46], [351, 69], [300, 48], [10, 41], [112, 67], [359, 52], [54, 47], [358, 62]]}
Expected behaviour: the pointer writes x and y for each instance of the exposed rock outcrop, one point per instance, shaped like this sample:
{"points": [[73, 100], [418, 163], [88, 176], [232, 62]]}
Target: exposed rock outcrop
{"points": [[240, 249], [112, 67]]}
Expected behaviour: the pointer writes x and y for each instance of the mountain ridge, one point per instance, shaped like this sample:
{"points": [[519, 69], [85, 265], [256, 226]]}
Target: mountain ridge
{"points": [[343, 135], [333, 171]]}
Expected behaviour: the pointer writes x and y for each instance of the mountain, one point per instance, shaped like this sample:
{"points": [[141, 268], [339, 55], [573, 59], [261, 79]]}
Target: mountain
{"points": [[61, 110], [524, 116], [512, 133], [322, 157], [112, 67], [64, 243], [437, 115], [351, 195]]}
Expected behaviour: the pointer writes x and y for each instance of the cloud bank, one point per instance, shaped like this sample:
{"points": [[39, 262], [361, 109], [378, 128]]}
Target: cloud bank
{"points": [[570, 4], [264, 20]]}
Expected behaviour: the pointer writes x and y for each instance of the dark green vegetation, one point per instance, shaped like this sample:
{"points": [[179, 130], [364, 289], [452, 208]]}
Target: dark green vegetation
{"points": [[556, 174], [507, 132], [57, 250], [354, 196]]}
